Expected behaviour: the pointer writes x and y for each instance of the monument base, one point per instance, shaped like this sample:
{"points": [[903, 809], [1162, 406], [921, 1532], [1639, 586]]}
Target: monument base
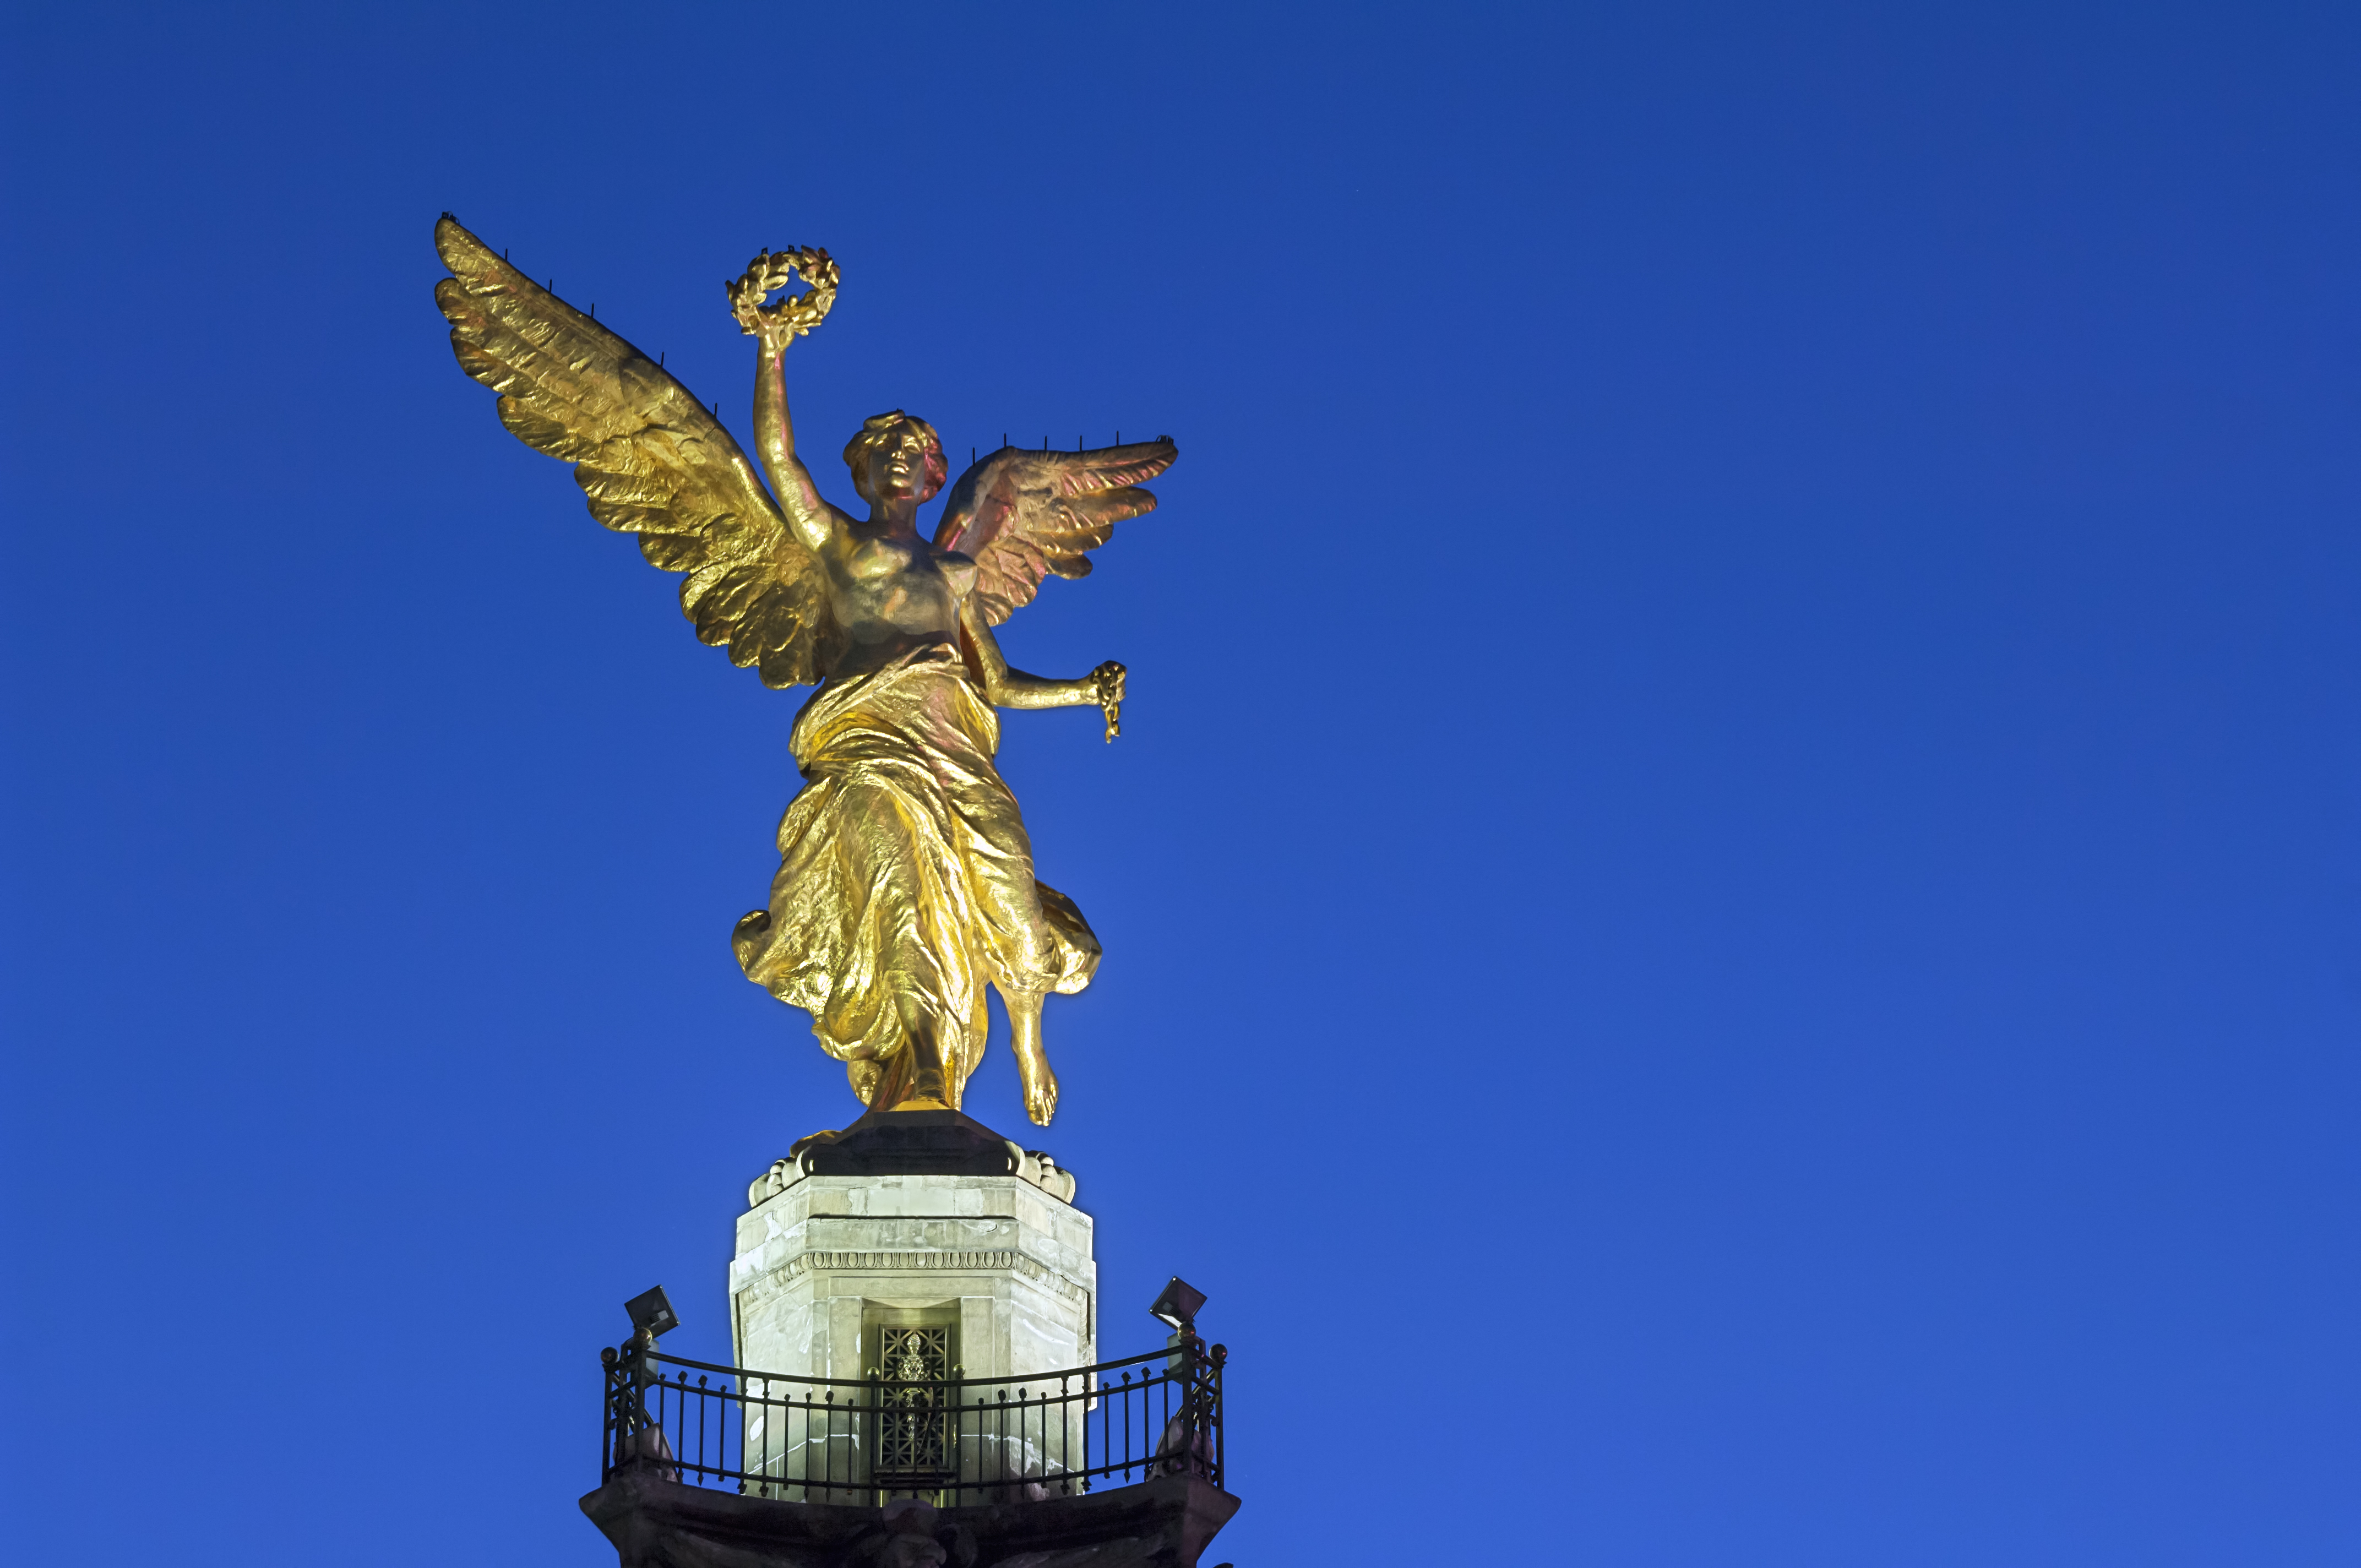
{"points": [[915, 1244]]}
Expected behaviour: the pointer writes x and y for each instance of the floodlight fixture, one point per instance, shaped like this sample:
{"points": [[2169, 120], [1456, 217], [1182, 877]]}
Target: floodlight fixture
{"points": [[1177, 1305], [651, 1313]]}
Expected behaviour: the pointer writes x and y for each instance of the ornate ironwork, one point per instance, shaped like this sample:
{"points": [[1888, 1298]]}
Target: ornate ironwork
{"points": [[917, 1443], [950, 1439]]}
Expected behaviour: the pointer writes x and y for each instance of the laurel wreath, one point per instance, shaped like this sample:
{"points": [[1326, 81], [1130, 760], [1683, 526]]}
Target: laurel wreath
{"points": [[796, 314]]}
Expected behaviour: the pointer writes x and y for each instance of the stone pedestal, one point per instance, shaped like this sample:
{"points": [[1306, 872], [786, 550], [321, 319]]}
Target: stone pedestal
{"points": [[918, 1235]]}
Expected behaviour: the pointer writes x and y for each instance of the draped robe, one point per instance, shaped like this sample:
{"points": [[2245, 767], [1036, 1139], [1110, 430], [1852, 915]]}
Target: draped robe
{"points": [[905, 879]]}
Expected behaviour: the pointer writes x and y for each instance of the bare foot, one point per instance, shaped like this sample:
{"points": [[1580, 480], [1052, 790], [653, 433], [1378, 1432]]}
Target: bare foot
{"points": [[1040, 1085]]}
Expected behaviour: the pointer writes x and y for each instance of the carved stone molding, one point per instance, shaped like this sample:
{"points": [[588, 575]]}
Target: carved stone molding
{"points": [[896, 1262]]}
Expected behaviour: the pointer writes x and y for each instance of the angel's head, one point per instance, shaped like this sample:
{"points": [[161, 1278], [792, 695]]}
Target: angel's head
{"points": [[896, 455]]}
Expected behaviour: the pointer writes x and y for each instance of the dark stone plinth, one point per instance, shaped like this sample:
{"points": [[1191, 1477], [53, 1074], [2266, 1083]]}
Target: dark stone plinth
{"points": [[910, 1143], [659, 1523]]}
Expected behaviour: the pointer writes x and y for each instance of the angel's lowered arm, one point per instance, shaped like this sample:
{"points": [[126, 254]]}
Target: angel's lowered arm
{"points": [[813, 520], [1005, 687]]}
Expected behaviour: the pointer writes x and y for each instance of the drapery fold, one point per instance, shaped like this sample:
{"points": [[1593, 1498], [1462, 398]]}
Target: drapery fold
{"points": [[905, 879]]}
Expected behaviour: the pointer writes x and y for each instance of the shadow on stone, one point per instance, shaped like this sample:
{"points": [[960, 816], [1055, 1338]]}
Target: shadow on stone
{"points": [[655, 1522]]}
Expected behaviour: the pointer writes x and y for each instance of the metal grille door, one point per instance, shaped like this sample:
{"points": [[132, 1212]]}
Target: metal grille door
{"points": [[915, 1440]]}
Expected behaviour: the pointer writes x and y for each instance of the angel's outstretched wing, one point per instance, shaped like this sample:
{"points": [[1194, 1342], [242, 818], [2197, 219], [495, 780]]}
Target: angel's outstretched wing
{"points": [[1021, 515], [651, 460]]}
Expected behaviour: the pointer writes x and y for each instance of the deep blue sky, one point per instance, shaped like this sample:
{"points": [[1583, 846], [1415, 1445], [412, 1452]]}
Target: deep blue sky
{"points": [[1732, 888]]}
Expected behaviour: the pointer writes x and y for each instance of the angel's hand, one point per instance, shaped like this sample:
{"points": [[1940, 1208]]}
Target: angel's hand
{"points": [[1105, 685]]}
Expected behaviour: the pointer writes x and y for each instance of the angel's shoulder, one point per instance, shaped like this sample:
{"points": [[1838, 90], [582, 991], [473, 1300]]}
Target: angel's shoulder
{"points": [[826, 527], [958, 570]]}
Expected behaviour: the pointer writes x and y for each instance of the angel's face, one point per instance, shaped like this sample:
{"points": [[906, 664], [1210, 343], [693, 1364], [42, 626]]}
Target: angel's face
{"points": [[898, 466]]}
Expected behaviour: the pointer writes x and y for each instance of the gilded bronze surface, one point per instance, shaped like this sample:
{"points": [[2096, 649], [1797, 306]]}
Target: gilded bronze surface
{"points": [[905, 880]]}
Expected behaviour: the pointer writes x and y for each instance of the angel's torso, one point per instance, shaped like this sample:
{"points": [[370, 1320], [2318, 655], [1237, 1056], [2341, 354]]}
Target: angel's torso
{"points": [[890, 594]]}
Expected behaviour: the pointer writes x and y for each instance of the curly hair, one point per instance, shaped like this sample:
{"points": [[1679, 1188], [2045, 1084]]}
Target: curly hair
{"points": [[876, 432]]}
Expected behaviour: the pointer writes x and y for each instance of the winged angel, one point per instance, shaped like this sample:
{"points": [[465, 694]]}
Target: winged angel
{"points": [[905, 879]]}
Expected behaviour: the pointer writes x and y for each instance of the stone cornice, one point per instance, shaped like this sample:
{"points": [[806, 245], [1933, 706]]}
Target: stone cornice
{"points": [[1002, 1261]]}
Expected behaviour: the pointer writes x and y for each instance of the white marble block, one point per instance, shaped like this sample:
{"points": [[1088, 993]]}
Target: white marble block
{"points": [[824, 1263], [916, 1248]]}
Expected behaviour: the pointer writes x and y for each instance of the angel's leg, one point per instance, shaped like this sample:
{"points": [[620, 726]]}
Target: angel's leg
{"points": [[1032, 1061], [931, 1051]]}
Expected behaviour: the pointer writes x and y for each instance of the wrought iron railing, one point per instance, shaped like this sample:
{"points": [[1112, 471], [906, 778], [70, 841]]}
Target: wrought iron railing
{"points": [[950, 1441]]}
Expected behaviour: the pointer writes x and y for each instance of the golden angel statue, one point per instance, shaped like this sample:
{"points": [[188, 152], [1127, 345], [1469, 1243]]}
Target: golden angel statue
{"points": [[906, 878]]}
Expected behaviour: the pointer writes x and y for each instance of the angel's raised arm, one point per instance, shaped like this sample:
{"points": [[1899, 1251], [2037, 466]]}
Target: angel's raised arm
{"points": [[813, 520]]}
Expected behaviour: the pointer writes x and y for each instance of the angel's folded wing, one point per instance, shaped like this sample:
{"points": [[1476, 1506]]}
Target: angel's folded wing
{"points": [[648, 455], [1022, 515]]}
